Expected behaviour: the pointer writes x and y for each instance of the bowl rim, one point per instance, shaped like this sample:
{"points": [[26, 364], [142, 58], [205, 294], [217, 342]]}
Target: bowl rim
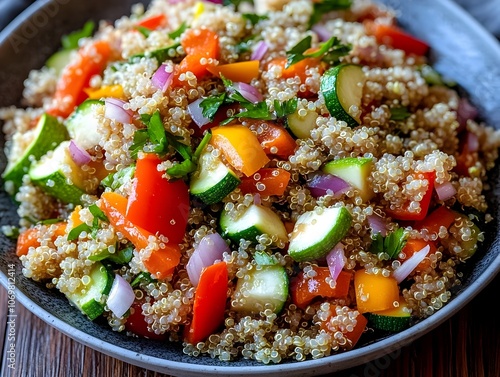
{"points": [[332, 363]]}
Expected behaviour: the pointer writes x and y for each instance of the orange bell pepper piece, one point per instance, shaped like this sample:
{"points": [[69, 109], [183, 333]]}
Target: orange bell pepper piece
{"points": [[115, 206], [266, 182], [31, 237], [113, 91], [199, 44], [297, 70], [209, 303], [240, 147], [374, 292], [91, 60], [161, 263], [276, 140], [237, 72], [304, 290]]}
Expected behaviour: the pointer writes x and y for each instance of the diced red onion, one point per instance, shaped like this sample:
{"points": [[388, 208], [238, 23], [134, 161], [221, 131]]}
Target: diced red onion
{"points": [[377, 225], [79, 155], [121, 296], [210, 249], [113, 109], [410, 264], [465, 111], [472, 142], [336, 260], [260, 50], [323, 33], [215, 1], [445, 190], [322, 184], [161, 78], [196, 112], [256, 199], [248, 92]]}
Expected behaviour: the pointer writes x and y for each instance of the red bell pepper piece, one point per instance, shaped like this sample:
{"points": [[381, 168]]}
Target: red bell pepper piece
{"points": [[403, 213], [304, 290], [274, 181], [352, 336], [157, 204], [395, 37], [75, 77], [441, 216], [209, 303], [136, 322], [414, 245], [153, 22]]}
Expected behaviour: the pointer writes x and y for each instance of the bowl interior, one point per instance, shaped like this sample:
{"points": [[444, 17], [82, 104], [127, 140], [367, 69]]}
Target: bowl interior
{"points": [[462, 51]]}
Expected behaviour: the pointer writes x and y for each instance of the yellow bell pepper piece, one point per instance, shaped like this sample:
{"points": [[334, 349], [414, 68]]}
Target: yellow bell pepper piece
{"points": [[375, 292], [238, 72], [114, 91], [240, 147]]}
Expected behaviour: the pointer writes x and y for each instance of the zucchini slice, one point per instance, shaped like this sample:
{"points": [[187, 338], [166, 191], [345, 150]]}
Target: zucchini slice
{"points": [[90, 300], [58, 175], [213, 180], [301, 126], [59, 60], [316, 232], [354, 171], [48, 134], [256, 220], [263, 287], [342, 88], [393, 320], [82, 125]]}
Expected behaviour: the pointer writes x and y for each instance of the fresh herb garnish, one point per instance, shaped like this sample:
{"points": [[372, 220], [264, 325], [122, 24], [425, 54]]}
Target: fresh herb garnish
{"points": [[254, 18], [142, 277], [259, 110], [399, 113], [143, 30], [433, 77], [326, 6], [155, 139], [329, 51], [178, 32], [70, 41], [161, 54], [120, 257], [282, 109], [119, 178], [49, 221], [245, 44], [391, 244], [92, 230], [77, 230], [236, 3]]}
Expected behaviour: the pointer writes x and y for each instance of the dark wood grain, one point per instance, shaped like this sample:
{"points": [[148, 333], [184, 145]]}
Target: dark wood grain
{"points": [[467, 345]]}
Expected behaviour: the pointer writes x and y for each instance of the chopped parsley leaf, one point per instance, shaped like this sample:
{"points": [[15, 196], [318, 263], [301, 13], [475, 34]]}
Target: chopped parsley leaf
{"points": [[399, 113], [391, 244]]}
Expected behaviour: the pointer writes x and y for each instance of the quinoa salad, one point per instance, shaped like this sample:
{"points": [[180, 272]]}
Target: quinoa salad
{"points": [[271, 180]]}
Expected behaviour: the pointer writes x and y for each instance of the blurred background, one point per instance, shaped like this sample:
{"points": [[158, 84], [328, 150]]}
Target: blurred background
{"points": [[486, 11]]}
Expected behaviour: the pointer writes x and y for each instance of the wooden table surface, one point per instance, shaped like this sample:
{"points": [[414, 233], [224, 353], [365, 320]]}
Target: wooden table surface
{"points": [[466, 345]]}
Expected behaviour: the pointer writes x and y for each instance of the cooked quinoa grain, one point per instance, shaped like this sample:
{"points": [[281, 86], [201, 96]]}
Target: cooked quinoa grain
{"points": [[208, 165]]}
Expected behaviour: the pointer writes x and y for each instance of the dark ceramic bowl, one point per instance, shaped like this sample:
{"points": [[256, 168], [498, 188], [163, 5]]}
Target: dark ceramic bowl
{"points": [[462, 51]]}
